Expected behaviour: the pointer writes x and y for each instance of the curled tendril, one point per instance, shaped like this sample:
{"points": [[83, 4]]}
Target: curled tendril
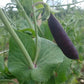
{"points": [[45, 10]]}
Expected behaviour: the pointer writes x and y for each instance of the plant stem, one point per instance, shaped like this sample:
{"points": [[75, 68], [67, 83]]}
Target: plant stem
{"points": [[37, 44], [26, 16], [7, 80], [24, 13], [40, 30], [36, 31], [15, 36]]}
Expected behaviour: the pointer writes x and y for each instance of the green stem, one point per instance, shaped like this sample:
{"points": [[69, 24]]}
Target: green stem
{"points": [[15, 36], [48, 8], [24, 13], [40, 30], [36, 31], [7, 80], [37, 48], [26, 16]]}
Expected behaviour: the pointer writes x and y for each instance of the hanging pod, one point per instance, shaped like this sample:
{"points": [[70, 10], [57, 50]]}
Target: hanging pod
{"points": [[62, 38]]}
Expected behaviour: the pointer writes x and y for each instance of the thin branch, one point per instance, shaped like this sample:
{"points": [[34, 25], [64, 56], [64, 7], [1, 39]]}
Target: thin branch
{"points": [[24, 13], [36, 31]]}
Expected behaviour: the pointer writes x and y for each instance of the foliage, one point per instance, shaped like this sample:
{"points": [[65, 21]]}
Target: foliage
{"points": [[50, 64]]}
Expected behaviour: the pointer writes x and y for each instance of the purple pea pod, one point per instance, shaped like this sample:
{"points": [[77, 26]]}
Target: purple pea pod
{"points": [[62, 38]]}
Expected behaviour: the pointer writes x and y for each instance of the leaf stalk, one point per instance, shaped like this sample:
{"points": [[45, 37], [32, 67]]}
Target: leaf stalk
{"points": [[15, 36]]}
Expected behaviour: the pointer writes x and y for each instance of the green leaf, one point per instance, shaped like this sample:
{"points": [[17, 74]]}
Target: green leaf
{"points": [[28, 31], [17, 63], [45, 29], [29, 82], [63, 70], [2, 67], [49, 57], [27, 4], [51, 80]]}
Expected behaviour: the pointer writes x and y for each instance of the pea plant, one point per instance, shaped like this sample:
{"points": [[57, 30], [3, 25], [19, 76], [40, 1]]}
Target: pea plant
{"points": [[34, 57]]}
